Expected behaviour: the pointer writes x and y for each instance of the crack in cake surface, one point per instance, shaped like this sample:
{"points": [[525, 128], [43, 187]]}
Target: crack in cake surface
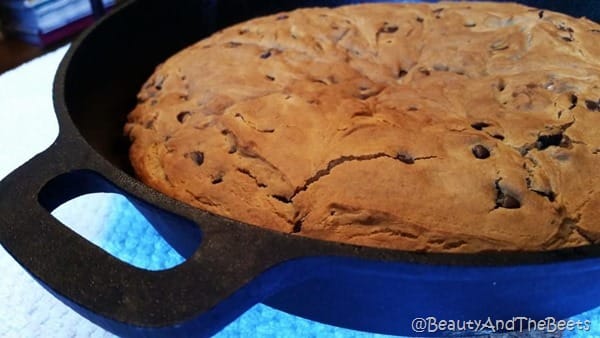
{"points": [[401, 157]]}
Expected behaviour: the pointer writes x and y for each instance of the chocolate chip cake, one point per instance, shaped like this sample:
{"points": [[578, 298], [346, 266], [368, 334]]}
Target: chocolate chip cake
{"points": [[444, 127]]}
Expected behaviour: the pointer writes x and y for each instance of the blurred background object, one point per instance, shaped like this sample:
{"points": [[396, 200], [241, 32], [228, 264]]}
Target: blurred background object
{"points": [[30, 28], [43, 22]]}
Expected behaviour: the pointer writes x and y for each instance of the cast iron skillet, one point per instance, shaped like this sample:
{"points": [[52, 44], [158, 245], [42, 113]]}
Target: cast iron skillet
{"points": [[236, 265]]}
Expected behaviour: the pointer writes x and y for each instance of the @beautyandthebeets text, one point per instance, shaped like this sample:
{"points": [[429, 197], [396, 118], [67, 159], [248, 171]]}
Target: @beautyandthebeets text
{"points": [[516, 324]]}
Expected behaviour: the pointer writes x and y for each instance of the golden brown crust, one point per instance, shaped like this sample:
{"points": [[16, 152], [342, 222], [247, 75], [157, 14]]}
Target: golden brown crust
{"points": [[429, 127]]}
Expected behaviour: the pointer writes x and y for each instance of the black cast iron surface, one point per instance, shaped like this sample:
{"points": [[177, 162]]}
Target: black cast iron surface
{"points": [[237, 265]]}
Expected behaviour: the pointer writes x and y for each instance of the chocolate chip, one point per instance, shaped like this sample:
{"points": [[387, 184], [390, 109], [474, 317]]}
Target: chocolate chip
{"points": [[504, 200], [480, 152], [367, 92], [196, 156], [480, 125], [402, 73], [550, 195], [297, 226], [389, 29], [158, 83], [424, 71], [217, 180], [266, 54], [405, 158], [498, 136], [573, 101], [565, 142], [283, 17], [545, 141], [420, 19], [362, 113], [499, 45], [541, 14], [282, 199], [564, 28], [509, 202], [183, 116], [501, 85], [269, 77], [150, 124], [524, 149], [592, 105]]}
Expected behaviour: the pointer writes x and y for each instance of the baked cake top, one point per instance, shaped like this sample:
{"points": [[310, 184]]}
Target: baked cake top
{"points": [[429, 127]]}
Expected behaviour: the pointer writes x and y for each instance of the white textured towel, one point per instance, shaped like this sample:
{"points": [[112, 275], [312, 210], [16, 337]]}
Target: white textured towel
{"points": [[28, 126]]}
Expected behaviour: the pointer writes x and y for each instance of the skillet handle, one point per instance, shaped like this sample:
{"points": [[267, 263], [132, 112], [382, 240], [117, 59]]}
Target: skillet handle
{"points": [[222, 279]]}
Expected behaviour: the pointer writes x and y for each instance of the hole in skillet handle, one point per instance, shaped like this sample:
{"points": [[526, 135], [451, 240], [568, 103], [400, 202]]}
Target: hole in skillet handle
{"points": [[137, 237], [111, 222]]}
